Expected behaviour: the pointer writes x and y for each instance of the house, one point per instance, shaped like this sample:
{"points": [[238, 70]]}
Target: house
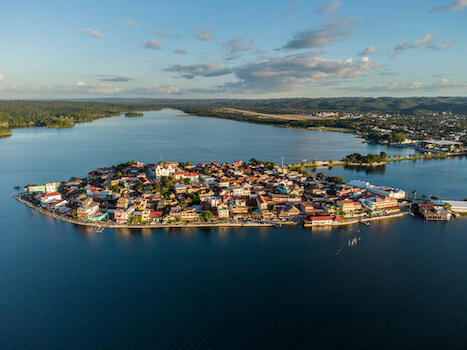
{"points": [[58, 204], [348, 205], [289, 212], [156, 216], [261, 203], [320, 220], [98, 216], [140, 204], [122, 216], [31, 189], [434, 212], [160, 170], [84, 212], [188, 214], [123, 203], [222, 210], [180, 188], [224, 182], [51, 197], [376, 203], [51, 187]]}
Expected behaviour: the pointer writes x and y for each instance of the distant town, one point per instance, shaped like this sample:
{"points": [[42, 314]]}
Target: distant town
{"points": [[254, 193]]}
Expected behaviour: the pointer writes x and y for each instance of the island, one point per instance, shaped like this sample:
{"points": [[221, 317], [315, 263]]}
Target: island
{"points": [[4, 132], [173, 194], [134, 114]]}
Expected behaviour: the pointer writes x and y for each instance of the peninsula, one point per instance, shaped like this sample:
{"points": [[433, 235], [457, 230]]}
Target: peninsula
{"points": [[170, 194]]}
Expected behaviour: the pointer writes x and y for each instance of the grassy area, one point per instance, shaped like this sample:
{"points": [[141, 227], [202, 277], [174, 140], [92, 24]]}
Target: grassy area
{"points": [[343, 130]]}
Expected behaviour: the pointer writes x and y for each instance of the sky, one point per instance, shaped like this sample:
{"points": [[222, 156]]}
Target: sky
{"points": [[232, 49]]}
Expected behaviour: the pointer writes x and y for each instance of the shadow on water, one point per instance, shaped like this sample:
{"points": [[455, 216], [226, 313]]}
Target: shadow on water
{"points": [[366, 169]]}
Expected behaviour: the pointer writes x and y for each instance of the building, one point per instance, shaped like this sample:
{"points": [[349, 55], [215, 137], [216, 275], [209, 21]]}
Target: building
{"points": [[434, 212]]}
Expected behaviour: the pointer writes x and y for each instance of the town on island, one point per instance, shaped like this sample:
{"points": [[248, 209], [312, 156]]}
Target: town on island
{"points": [[170, 194]]}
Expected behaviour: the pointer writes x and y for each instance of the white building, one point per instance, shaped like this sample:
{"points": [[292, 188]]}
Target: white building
{"points": [[222, 210], [160, 171], [51, 197], [50, 187]]}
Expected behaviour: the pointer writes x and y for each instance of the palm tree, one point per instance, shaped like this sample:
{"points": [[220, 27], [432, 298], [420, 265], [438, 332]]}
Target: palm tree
{"points": [[415, 193]]}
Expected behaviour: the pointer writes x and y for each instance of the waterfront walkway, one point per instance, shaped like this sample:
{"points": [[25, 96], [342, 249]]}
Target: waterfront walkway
{"points": [[102, 225]]}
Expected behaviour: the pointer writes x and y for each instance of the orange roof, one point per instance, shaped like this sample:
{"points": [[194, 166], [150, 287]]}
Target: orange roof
{"points": [[51, 194], [320, 218]]}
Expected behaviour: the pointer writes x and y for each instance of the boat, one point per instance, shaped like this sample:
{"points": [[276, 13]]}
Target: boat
{"points": [[100, 229], [279, 225], [365, 223], [353, 242]]}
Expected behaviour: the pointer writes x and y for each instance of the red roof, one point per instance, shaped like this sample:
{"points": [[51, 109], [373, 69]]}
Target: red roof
{"points": [[51, 194], [338, 219], [320, 218], [156, 214]]}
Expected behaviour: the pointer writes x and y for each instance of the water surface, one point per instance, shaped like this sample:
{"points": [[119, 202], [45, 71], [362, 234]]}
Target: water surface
{"points": [[402, 286]]}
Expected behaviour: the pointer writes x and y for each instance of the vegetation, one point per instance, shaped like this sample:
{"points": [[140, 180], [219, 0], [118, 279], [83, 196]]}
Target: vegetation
{"points": [[4, 132], [357, 158], [335, 179], [437, 116], [267, 165], [207, 215], [134, 114], [59, 114]]}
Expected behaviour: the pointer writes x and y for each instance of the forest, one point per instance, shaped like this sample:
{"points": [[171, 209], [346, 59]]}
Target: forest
{"points": [[437, 116]]}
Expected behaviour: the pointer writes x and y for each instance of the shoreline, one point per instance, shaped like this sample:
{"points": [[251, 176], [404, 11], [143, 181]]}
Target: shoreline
{"points": [[104, 225]]}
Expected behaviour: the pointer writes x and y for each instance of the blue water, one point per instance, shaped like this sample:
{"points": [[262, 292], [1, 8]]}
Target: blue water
{"points": [[403, 285]]}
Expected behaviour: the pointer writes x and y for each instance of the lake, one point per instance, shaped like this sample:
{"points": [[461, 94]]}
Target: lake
{"points": [[403, 285]]}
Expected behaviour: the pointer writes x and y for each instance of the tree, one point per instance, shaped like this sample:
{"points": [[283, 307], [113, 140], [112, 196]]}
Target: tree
{"points": [[207, 215], [335, 179], [383, 155], [415, 193], [447, 206]]}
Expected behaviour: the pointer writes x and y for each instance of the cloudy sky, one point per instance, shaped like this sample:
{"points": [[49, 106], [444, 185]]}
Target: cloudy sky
{"points": [[232, 49]]}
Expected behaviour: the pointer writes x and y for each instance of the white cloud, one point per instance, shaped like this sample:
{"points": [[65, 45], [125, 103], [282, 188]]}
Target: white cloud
{"points": [[291, 5], [93, 33], [155, 90], [2, 78], [336, 30], [82, 87], [402, 45], [204, 34], [236, 46], [368, 51], [113, 78], [454, 6], [444, 45], [152, 44], [130, 23], [277, 74], [396, 87], [329, 8], [423, 41], [164, 32], [204, 70], [180, 51]]}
